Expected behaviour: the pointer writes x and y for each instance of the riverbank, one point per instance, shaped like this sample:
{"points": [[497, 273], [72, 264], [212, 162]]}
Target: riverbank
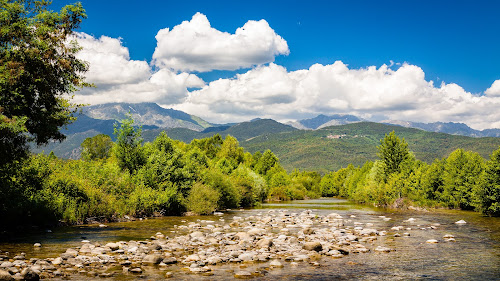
{"points": [[253, 244]]}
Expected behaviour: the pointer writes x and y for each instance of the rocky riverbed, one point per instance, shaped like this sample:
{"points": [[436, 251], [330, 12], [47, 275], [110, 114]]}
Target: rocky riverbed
{"points": [[253, 246]]}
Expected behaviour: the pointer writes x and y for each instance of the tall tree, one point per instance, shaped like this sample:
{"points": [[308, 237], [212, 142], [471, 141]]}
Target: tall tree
{"points": [[393, 152], [128, 148], [38, 71]]}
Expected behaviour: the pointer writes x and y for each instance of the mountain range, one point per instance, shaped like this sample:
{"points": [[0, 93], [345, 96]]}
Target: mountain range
{"points": [[323, 143]]}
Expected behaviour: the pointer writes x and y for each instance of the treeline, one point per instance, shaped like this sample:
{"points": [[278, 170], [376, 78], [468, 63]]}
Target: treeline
{"points": [[129, 177], [463, 180]]}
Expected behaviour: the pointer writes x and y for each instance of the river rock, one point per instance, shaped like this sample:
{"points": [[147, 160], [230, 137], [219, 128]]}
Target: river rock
{"points": [[57, 261], [264, 243], [313, 246], [308, 231], [152, 259], [247, 257], [136, 270], [197, 234], [432, 241], [113, 246], [6, 264], [461, 222], [37, 245], [275, 264], [244, 236], [191, 258], [29, 275], [169, 260], [383, 249], [256, 231], [5, 275], [368, 232], [243, 274]]}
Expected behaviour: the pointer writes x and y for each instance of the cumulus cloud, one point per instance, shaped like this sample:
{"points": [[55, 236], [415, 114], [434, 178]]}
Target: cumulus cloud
{"points": [[494, 90], [402, 94], [119, 79], [196, 46]]}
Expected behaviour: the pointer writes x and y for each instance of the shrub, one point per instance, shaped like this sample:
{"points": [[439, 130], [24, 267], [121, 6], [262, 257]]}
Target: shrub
{"points": [[202, 199]]}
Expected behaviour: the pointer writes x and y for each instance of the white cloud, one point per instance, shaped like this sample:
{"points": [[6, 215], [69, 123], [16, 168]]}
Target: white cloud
{"points": [[110, 61], [494, 90], [402, 94], [119, 79], [196, 46]]}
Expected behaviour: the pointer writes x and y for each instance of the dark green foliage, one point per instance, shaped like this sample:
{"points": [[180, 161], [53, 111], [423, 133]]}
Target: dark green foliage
{"points": [[488, 191], [37, 69], [462, 172], [98, 147]]}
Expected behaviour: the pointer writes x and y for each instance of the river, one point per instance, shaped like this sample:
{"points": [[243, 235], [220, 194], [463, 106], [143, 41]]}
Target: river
{"points": [[474, 256]]}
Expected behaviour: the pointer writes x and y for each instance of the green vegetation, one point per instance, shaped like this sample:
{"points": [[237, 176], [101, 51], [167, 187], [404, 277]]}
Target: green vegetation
{"points": [[463, 180], [161, 177], [38, 69]]}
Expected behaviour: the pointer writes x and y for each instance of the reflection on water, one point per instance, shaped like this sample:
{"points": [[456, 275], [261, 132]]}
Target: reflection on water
{"points": [[474, 256]]}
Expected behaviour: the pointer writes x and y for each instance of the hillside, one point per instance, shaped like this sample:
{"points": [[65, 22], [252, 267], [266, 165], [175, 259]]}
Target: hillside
{"points": [[334, 147]]}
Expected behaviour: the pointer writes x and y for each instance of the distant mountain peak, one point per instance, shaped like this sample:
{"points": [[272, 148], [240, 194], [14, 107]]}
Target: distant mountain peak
{"points": [[452, 128], [149, 114], [323, 120]]}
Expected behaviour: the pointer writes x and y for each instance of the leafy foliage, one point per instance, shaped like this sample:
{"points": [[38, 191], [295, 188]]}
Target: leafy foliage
{"points": [[38, 67], [128, 149], [97, 147]]}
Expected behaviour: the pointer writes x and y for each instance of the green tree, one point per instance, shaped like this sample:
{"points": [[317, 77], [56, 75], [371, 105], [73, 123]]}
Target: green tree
{"points": [[128, 149], [394, 153], [266, 162], [38, 69], [488, 192], [97, 147], [461, 175]]}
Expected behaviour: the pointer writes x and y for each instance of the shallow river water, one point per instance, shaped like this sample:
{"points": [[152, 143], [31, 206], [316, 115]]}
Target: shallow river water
{"points": [[474, 256]]}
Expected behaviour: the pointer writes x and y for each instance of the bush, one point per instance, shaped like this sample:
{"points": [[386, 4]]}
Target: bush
{"points": [[202, 199]]}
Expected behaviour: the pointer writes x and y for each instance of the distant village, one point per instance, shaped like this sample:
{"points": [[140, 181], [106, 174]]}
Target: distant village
{"points": [[336, 136]]}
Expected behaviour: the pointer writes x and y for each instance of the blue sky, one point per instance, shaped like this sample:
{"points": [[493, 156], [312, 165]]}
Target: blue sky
{"points": [[455, 42]]}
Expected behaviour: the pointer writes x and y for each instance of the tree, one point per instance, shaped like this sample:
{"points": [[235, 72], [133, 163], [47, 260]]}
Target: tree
{"points": [[461, 175], [38, 69], [97, 147], [128, 148], [488, 193], [266, 162], [393, 152]]}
